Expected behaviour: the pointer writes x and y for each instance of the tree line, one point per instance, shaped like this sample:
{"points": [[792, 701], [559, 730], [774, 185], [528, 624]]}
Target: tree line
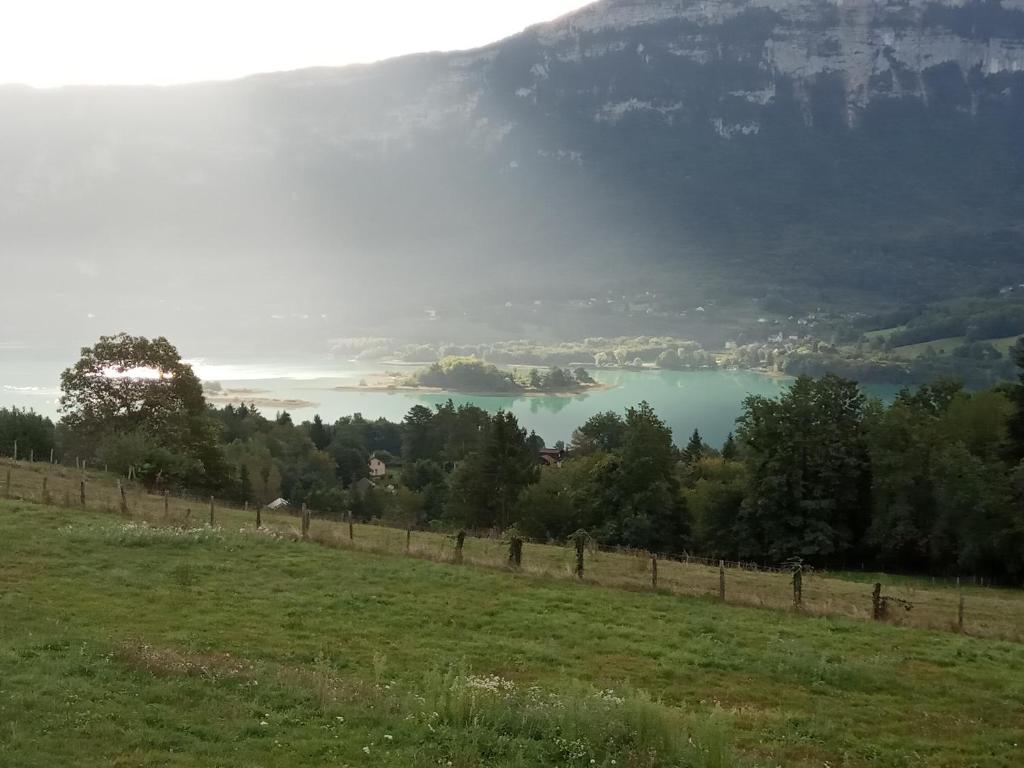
{"points": [[932, 482], [468, 374]]}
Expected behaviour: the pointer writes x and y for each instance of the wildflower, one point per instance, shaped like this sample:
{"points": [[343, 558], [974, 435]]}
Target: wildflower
{"points": [[366, 750], [490, 684], [264, 722], [389, 737], [610, 697]]}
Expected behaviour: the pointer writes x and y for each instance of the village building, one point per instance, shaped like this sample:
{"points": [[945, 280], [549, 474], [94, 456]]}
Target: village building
{"points": [[551, 457]]}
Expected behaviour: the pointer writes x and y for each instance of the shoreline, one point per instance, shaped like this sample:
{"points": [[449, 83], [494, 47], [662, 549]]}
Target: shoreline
{"points": [[259, 402], [413, 389]]}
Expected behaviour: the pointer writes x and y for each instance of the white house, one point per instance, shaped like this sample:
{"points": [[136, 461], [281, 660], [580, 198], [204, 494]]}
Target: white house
{"points": [[377, 468], [278, 504]]}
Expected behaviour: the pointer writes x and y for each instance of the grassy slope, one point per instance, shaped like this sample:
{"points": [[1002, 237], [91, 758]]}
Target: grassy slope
{"points": [[942, 347], [992, 613], [114, 650], [945, 347]]}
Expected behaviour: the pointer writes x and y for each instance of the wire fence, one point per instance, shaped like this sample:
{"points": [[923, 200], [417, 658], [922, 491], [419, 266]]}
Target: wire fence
{"points": [[997, 613]]}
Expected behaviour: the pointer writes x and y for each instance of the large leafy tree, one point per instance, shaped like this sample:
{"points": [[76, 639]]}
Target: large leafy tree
{"points": [[653, 513], [809, 472], [319, 433], [714, 497], [418, 438], [942, 497], [903, 442], [459, 430], [1015, 426], [625, 487], [131, 385], [601, 432], [487, 485], [33, 433]]}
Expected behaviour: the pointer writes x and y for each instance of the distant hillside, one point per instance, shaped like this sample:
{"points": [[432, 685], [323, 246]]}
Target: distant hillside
{"points": [[853, 152]]}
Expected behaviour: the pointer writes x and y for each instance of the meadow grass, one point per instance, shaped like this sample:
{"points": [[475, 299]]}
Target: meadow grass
{"points": [[989, 612], [945, 346], [942, 347], [130, 644]]}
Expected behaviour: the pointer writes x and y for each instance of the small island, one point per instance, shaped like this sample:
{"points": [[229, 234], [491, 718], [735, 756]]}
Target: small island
{"points": [[470, 375], [217, 394]]}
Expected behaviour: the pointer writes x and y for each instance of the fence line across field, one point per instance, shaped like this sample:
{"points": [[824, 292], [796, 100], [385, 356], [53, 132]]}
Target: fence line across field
{"points": [[583, 557], [684, 557]]}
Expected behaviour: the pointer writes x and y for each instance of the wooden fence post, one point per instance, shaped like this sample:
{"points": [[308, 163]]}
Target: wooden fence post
{"points": [[798, 588], [460, 540], [81, 492], [211, 512], [32, 456], [408, 540], [51, 455], [351, 528], [515, 552], [124, 498], [15, 450], [960, 614], [259, 511], [721, 580], [581, 544], [876, 602], [654, 572]]}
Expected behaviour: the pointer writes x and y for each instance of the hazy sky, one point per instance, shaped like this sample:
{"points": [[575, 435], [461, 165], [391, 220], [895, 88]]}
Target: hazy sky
{"points": [[59, 42]]}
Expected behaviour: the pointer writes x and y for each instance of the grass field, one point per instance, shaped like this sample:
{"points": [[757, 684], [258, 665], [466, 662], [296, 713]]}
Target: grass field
{"points": [[942, 347], [123, 644], [945, 347], [992, 613]]}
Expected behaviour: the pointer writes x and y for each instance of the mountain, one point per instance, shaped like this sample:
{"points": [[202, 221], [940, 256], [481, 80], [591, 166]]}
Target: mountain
{"points": [[860, 153]]}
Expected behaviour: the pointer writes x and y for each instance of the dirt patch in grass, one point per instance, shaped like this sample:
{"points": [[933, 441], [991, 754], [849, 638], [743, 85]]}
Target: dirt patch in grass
{"points": [[169, 662]]}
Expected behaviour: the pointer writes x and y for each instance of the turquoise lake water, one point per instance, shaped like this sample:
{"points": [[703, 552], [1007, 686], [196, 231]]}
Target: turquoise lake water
{"points": [[706, 400]]}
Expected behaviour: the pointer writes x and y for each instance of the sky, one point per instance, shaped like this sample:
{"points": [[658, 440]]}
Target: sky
{"points": [[49, 43]]}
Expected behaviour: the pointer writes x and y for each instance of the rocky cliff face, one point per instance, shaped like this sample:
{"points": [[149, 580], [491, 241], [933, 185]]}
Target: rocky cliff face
{"points": [[874, 50], [797, 144]]}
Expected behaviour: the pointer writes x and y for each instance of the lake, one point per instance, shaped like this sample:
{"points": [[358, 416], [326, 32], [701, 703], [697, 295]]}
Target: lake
{"points": [[706, 400]]}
